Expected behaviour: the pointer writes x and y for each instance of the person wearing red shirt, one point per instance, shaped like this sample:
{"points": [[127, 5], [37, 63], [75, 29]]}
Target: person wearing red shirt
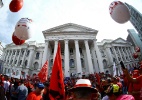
{"points": [[137, 80], [37, 94]]}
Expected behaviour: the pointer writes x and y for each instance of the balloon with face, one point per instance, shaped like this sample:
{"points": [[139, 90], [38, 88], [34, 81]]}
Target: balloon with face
{"points": [[119, 12], [17, 41], [15, 5], [22, 29]]}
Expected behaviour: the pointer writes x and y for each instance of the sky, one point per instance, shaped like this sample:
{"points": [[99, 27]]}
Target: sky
{"points": [[50, 13]]}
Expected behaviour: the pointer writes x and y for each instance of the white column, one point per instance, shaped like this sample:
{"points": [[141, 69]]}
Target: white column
{"points": [[45, 53], [55, 49], [115, 55], [126, 50], [100, 61], [23, 60], [14, 58], [7, 56], [67, 68], [78, 61], [109, 55], [123, 54], [18, 57], [11, 57], [120, 54], [90, 65], [30, 60]]}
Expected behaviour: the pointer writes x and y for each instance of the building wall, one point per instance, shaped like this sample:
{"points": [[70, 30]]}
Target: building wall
{"points": [[81, 54]]}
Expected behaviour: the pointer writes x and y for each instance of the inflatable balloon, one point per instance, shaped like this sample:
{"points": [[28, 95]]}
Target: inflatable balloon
{"points": [[135, 55], [119, 12], [1, 4], [17, 41], [22, 29], [137, 49], [15, 5]]}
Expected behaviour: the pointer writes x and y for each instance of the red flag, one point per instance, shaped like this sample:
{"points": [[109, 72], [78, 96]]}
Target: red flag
{"points": [[57, 90], [43, 72]]}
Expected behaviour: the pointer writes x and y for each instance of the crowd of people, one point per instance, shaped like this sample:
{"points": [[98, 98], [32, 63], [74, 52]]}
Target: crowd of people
{"points": [[98, 86]]}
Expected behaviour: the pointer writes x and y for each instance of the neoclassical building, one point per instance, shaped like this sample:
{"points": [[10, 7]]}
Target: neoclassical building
{"points": [[114, 51], [81, 54]]}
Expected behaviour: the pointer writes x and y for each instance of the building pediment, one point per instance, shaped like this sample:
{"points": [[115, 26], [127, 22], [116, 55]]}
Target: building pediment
{"points": [[69, 27], [119, 41]]}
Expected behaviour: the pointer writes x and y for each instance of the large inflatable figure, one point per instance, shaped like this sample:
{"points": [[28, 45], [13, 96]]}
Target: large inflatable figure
{"points": [[119, 12], [17, 41], [22, 29]]}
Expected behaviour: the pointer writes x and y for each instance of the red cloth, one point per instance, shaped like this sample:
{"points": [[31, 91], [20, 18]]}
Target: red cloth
{"points": [[57, 88], [125, 97], [43, 72]]}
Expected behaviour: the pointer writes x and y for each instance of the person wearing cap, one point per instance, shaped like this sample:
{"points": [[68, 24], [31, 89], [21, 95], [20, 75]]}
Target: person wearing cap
{"points": [[84, 91], [113, 93], [37, 94]]}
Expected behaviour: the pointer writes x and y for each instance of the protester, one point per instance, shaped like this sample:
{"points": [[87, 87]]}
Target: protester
{"points": [[113, 92], [83, 90], [45, 95], [6, 87], [21, 91], [137, 80], [37, 94]]}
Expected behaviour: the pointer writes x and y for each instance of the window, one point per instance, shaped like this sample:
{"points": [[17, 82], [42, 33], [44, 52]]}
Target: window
{"points": [[28, 53], [26, 62], [37, 55], [17, 52], [15, 61], [103, 54], [72, 64], [20, 62], [105, 64], [36, 65], [71, 51], [22, 52]]}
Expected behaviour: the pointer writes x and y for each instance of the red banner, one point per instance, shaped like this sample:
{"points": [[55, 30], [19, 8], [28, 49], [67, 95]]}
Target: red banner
{"points": [[57, 90], [43, 72]]}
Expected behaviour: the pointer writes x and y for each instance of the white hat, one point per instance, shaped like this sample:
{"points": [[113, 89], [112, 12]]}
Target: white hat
{"points": [[83, 83]]}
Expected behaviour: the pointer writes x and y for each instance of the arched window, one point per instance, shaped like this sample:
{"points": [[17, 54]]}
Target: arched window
{"points": [[15, 61], [82, 62], [105, 64], [26, 62], [28, 52], [20, 62], [22, 52], [37, 55], [36, 65], [72, 64]]}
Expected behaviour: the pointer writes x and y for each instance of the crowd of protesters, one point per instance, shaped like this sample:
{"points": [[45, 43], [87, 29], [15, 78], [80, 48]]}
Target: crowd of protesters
{"points": [[33, 89]]}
